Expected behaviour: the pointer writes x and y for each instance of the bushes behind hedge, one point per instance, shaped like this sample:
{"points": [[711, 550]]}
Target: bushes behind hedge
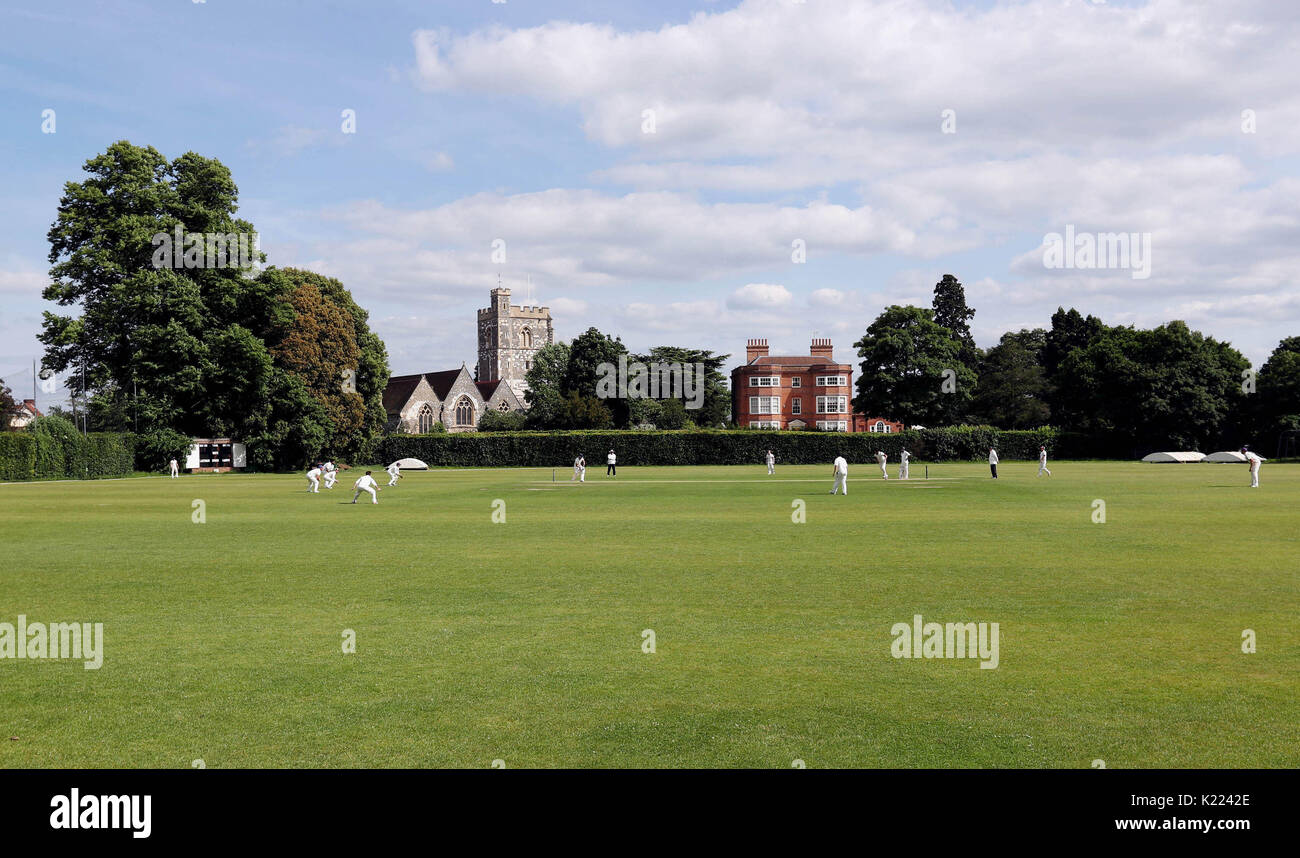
{"points": [[736, 447]]}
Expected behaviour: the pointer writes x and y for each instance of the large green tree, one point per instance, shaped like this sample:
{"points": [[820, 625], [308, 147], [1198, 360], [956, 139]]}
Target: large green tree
{"points": [[563, 384], [1070, 330], [674, 410], [545, 394], [1011, 391], [951, 311], [912, 369], [1168, 387], [142, 331], [8, 406], [1275, 404], [183, 339]]}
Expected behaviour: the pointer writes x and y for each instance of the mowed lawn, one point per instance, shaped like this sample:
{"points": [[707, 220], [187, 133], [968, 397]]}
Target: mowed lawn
{"points": [[522, 641]]}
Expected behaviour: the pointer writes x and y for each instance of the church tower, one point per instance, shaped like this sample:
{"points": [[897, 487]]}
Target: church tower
{"points": [[508, 338]]}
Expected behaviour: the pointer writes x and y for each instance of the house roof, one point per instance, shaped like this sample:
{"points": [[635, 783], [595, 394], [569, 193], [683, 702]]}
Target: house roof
{"points": [[794, 360]]}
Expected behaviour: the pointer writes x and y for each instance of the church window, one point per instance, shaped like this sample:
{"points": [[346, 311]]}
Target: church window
{"points": [[425, 419], [464, 412]]}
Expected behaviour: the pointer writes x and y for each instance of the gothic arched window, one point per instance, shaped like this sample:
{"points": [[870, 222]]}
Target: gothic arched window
{"points": [[526, 338], [464, 412], [424, 419]]}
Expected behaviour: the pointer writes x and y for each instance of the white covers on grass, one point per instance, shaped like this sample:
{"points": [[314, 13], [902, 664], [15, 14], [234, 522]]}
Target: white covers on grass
{"points": [[1226, 456], [1185, 456], [412, 465]]}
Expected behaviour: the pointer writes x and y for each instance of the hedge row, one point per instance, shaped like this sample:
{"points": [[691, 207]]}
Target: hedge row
{"points": [[38, 455], [735, 447]]}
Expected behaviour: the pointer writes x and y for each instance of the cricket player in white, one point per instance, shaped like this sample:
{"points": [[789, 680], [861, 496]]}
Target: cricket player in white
{"points": [[771, 463], [579, 469], [881, 458], [331, 474], [313, 480], [1255, 461], [1042, 462], [841, 470], [902, 463], [611, 465], [394, 474], [365, 484], [993, 462], [174, 468]]}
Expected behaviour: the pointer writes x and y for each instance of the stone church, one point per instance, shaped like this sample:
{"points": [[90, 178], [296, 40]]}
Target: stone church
{"points": [[508, 338]]}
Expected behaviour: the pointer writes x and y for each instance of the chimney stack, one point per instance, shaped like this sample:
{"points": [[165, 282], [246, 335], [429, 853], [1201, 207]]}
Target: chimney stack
{"points": [[755, 349], [822, 349]]}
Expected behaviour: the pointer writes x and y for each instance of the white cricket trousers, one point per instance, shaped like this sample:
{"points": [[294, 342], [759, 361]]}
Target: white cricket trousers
{"points": [[902, 471], [841, 482], [329, 480], [373, 497], [313, 484], [392, 479], [1254, 477], [883, 473], [771, 468], [1042, 469]]}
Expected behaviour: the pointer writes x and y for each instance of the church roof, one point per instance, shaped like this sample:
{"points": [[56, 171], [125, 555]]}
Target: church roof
{"points": [[487, 388], [398, 391], [441, 382], [400, 387]]}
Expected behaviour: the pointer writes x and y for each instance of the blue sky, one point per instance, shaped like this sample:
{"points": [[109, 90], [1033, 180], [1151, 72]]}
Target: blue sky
{"points": [[774, 122]]}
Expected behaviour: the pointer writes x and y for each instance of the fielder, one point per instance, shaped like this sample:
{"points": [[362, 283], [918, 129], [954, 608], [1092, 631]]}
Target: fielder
{"points": [[579, 469], [366, 484], [881, 458], [394, 474], [331, 474], [841, 470], [903, 457], [1042, 462], [174, 468], [993, 462], [771, 463], [313, 479], [1255, 460]]}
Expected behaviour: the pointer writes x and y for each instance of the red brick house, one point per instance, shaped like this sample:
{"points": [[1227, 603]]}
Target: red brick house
{"points": [[862, 423], [810, 391]]}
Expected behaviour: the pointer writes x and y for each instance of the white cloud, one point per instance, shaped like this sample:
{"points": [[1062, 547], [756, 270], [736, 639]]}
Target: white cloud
{"points": [[25, 283], [826, 298], [439, 162], [289, 140], [753, 296]]}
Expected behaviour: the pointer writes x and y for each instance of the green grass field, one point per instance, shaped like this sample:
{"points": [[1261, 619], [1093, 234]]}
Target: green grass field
{"points": [[522, 641]]}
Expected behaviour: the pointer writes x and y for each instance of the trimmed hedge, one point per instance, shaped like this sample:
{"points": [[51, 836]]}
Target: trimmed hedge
{"points": [[28, 455], [17, 456], [736, 447], [109, 454]]}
